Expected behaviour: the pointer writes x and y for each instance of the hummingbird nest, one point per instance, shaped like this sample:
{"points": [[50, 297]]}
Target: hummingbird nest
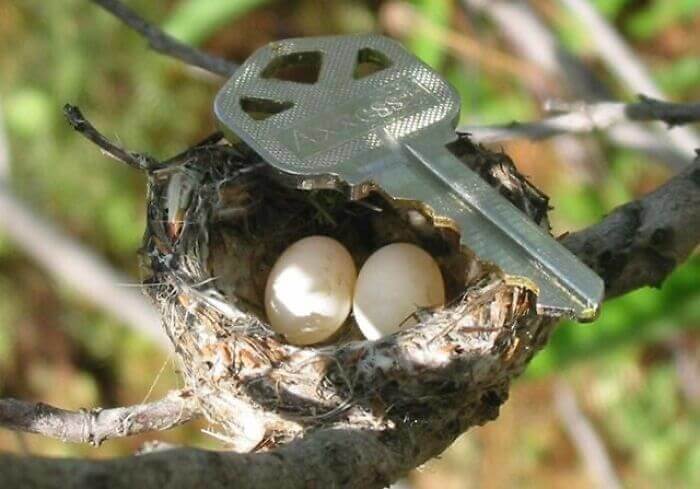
{"points": [[217, 221]]}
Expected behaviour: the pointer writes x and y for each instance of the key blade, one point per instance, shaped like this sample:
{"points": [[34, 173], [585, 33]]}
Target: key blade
{"points": [[495, 230]]}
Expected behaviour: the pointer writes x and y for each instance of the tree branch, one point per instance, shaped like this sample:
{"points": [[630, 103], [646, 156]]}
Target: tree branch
{"points": [[165, 44], [78, 122], [585, 118], [97, 425], [660, 228], [532, 39], [624, 63], [638, 244]]}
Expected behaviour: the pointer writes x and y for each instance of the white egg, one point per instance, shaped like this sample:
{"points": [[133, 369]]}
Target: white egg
{"points": [[309, 291], [395, 282]]}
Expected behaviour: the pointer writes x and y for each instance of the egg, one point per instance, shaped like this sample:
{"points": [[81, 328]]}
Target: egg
{"points": [[395, 282], [308, 295]]}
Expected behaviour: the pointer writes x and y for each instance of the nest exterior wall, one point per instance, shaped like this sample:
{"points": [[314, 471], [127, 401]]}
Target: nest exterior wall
{"points": [[447, 373]]}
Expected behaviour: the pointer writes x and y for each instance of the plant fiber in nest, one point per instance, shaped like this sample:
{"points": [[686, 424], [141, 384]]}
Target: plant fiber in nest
{"points": [[216, 224]]}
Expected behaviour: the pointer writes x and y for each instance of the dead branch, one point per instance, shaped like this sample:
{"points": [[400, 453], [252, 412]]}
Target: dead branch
{"points": [[586, 118], [531, 38], [97, 425], [624, 63], [165, 44], [374, 452], [78, 122]]}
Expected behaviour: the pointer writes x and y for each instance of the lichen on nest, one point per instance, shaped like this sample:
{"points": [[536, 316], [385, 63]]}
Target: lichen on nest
{"points": [[216, 223]]}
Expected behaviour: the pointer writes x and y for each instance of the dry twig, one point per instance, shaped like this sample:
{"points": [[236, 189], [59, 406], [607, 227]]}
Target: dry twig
{"points": [[586, 118], [97, 425], [529, 36], [654, 233], [78, 122], [165, 44], [622, 61], [648, 233]]}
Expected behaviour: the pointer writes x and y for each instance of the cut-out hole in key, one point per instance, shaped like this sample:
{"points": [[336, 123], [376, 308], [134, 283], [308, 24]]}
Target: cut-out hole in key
{"points": [[296, 67], [369, 61], [390, 132], [260, 109]]}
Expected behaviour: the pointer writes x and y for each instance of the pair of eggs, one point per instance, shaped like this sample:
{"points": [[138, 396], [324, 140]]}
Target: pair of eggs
{"points": [[314, 284]]}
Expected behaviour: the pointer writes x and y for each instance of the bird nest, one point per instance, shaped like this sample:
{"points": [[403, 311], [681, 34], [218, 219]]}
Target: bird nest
{"points": [[217, 221]]}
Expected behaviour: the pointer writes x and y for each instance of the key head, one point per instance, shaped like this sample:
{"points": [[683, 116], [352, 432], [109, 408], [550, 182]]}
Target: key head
{"points": [[319, 109]]}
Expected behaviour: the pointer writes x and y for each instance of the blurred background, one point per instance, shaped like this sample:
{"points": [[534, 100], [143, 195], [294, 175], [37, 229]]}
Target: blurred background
{"points": [[616, 402]]}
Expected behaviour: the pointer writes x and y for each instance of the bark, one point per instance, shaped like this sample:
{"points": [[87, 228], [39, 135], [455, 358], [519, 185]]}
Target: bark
{"points": [[638, 244], [94, 426], [586, 118]]}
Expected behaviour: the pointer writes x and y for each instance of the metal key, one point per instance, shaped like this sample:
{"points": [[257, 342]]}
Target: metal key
{"points": [[360, 113]]}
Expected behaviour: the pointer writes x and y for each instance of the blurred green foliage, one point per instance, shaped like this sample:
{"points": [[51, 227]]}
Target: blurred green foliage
{"points": [[642, 316], [56, 348], [193, 21]]}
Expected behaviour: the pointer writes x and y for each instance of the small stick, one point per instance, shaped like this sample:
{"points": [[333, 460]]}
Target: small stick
{"points": [[139, 161], [97, 425], [616, 53], [165, 44], [585, 118]]}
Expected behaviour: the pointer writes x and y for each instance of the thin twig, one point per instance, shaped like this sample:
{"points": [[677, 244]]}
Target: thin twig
{"points": [[97, 425], [139, 161], [582, 433], [362, 458], [531, 38], [586, 118], [71, 263], [165, 44], [622, 61]]}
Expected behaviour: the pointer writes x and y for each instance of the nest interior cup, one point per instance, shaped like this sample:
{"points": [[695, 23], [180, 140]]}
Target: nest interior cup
{"points": [[216, 225]]}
